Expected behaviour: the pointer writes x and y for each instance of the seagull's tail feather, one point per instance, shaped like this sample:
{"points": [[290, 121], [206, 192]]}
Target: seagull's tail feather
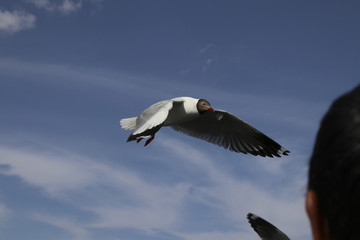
{"points": [[128, 123]]}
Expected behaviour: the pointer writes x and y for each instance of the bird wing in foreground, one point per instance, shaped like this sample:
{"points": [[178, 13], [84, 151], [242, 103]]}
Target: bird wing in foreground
{"points": [[264, 229], [229, 131]]}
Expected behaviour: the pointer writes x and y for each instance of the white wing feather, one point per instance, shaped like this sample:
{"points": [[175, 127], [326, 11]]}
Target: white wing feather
{"points": [[153, 116]]}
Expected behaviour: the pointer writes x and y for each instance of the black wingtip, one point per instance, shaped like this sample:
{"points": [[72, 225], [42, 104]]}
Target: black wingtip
{"points": [[251, 217], [286, 153], [265, 229], [131, 138]]}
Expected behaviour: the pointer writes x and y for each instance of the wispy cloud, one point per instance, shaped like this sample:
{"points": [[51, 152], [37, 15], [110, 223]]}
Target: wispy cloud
{"points": [[66, 74], [65, 6], [207, 64], [234, 197], [120, 198], [48, 171], [215, 235], [78, 231], [132, 201], [295, 113], [18, 20], [15, 21], [206, 48], [4, 212]]}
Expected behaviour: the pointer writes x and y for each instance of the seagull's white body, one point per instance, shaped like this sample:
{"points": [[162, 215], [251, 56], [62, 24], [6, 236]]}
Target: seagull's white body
{"points": [[182, 109], [166, 113], [196, 118]]}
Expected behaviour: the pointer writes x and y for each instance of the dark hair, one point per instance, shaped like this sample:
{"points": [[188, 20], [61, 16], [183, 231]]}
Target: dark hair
{"points": [[334, 172]]}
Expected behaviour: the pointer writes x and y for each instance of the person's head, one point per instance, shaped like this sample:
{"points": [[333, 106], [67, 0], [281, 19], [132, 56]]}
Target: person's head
{"points": [[333, 198]]}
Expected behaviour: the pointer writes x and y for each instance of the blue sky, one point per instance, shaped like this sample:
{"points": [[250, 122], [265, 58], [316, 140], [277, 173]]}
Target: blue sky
{"points": [[71, 69]]}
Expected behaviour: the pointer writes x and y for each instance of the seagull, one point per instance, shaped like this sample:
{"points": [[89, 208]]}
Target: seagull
{"points": [[264, 229], [196, 118]]}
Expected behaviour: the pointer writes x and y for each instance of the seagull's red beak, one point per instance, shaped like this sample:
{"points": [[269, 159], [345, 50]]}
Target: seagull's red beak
{"points": [[211, 109]]}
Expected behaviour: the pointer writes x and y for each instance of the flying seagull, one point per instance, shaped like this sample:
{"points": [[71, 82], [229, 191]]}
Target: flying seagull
{"points": [[196, 118], [264, 229]]}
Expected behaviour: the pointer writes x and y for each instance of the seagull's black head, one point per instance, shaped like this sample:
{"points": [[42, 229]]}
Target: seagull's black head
{"points": [[203, 106]]}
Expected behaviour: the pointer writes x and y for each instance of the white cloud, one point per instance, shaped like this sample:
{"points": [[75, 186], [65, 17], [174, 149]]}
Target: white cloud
{"points": [[11, 22], [127, 200], [52, 173], [69, 6]]}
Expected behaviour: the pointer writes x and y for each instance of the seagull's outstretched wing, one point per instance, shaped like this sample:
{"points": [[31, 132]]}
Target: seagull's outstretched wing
{"points": [[264, 229], [229, 131]]}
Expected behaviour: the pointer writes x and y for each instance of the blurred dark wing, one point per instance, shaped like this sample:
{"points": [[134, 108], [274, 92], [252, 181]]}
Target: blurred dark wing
{"points": [[228, 131], [264, 229]]}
